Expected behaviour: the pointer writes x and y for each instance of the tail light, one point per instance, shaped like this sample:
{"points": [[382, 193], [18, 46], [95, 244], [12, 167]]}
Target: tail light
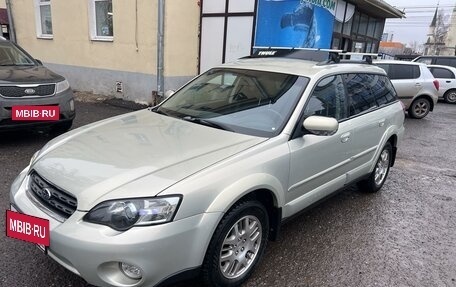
{"points": [[436, 85]]}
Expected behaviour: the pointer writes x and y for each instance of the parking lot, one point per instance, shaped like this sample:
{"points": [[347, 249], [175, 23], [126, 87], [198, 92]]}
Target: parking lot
{"points": [[405, 235]]}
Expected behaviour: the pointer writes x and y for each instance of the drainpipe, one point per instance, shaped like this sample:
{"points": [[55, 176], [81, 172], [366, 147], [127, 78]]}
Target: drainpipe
{"points": [[12, 32], [160, 49]]}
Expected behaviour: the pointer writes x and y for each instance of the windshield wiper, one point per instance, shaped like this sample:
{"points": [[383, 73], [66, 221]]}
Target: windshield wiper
{"points": [[205, 122], [156, 110]]}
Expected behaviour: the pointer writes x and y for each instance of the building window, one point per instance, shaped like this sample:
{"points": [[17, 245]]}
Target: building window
{"points": [[101, 24], [43, 19]]}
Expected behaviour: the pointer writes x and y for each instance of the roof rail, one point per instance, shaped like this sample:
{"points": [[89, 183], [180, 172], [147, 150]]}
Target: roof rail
{"points": [[310, 54], [323, 56], [367, 57]]}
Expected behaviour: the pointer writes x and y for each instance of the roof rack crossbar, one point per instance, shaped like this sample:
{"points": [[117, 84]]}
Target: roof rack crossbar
{"points": [[322, 56]]}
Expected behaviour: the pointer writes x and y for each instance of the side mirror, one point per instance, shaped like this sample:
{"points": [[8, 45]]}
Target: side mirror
{"points": [[321, 126], [168, 93], [39, 62]]}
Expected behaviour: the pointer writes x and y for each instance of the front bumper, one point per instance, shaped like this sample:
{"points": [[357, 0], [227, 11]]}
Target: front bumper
{"points": [[64, 100], [94, 251]]}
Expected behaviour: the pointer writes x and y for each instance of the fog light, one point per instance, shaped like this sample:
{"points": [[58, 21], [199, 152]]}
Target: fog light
{"points": [[72, 105], [131, 271]]}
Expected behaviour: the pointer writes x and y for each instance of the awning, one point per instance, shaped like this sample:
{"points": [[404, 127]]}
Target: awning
{"points": [[378, 8]]}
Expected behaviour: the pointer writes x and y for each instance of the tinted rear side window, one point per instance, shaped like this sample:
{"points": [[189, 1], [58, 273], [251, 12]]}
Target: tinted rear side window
{"points": [[442, 73], [383, 90], [402, 72], [445, 61], [360, 97]]}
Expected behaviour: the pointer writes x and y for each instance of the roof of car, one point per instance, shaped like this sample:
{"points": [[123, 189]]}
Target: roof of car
{"points": [[300, 67], [398, 62], [436, 56]]}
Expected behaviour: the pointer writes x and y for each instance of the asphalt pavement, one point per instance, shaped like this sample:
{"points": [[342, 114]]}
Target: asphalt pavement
{"points": [[405, 235]]}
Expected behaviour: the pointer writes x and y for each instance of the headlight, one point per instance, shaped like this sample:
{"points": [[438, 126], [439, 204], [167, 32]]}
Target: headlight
{"points": [[34, 157], [123, 214], [62, 86]]}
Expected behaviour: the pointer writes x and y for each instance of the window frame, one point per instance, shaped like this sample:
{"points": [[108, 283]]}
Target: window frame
{"points": [[344, 108], [93, 23], [38, 20]]}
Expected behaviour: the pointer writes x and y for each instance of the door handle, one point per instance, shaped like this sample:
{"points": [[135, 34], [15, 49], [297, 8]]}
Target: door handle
{"points": [[418, 84], [345, 137], [381, 123], [448, 81]]}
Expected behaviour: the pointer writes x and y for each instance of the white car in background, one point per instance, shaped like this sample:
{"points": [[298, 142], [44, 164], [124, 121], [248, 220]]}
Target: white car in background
{"points": [[446, 76]]}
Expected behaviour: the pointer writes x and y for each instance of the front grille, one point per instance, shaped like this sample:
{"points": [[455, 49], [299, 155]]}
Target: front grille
{"points": [[18, 92], [52, 197]]}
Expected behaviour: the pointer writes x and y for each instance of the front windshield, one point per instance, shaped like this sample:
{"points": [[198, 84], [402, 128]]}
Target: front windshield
{"points": [[244, 101], [12, 56]]}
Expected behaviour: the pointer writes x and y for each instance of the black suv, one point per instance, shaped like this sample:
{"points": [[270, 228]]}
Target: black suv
{"points": [[437, 60], [31, 94]]}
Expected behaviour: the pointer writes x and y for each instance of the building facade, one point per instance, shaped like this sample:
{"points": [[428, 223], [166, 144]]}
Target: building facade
{"points": [[110, 46], [451, 36], [97, 44]]}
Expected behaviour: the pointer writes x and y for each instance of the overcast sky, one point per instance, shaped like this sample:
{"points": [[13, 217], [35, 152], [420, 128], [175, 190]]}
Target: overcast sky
{"points": [[419, 14]]}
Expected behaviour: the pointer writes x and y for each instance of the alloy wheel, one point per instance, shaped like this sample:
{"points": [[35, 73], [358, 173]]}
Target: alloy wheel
{"points": [[240, 247], [421, 108], [381, 169]]}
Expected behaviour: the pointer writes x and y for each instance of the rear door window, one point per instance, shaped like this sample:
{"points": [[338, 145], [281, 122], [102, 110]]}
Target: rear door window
{"points": [[360, 96], [445, 61], [441, 73], [383, 90], [403, 72]]}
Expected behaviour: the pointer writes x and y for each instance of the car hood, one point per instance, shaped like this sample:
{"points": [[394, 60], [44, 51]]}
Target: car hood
{"points": [[93, 161], [27, 75]]}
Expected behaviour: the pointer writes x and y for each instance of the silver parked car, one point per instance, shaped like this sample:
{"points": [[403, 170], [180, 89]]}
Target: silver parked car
{"points": [[416, 87], [200, 183], [447, 78]]}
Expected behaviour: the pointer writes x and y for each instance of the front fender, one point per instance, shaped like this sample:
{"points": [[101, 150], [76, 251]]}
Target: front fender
{"points": [[242, 187]]}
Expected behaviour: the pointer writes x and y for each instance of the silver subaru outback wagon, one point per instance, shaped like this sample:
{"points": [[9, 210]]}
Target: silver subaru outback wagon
{"points": [[198, 184]]}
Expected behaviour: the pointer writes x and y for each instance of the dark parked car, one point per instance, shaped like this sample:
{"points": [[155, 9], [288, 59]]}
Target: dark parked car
{"points": [[437, 60], [30, 94]]}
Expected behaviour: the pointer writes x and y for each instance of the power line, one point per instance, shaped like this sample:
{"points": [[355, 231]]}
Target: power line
{"points": [[424, 7]]}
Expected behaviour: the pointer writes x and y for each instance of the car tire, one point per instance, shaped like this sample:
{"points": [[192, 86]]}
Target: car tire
{"points": [[237, 245], [61, 128], [419, 108], [450, 97], [378, 176]]}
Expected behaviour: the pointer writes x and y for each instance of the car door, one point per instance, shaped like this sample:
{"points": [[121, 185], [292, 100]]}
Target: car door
{"points": [[445, 77], [318, 163], [365, 94]]}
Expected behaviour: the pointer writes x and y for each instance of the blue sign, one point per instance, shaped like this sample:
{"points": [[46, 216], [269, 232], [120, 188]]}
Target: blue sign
{"points": [[295, 23]]}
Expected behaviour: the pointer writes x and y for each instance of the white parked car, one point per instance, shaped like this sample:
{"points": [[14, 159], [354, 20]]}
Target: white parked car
{"points": [[446, 76], [200, 183], [416, 87]]}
